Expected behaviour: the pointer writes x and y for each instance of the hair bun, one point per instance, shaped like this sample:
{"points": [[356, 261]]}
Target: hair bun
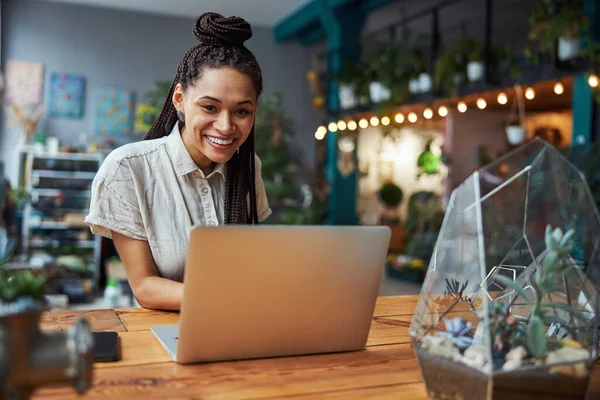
{"points": [[213, 28]]}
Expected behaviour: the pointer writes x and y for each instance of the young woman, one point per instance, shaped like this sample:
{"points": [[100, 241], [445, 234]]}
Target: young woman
{"points": [[197, 166]]}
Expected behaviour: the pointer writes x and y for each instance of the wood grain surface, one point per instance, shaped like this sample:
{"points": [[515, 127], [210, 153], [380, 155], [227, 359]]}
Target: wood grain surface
{"points": [[385, 369], [100, 320]]}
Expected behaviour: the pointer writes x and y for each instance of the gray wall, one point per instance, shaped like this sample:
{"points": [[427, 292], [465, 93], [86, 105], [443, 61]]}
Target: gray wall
{"points": [[131, 50]]}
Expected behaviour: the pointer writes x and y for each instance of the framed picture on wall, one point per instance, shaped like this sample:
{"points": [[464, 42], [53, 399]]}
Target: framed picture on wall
{"points": [[114, 112], [67, 94]]}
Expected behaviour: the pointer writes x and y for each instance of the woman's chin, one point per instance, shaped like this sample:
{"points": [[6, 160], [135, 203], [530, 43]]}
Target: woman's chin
{"points": [[219, 157]]}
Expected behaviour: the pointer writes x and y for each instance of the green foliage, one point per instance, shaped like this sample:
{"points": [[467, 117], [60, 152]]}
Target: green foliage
{"points": [[391, 194], [272, 133], [148, 111], [548, 22], [357, 75], [20, 196], [21, 284], [394, 66], [536, 336], [558, 246], [448, 70], [280, 161]]}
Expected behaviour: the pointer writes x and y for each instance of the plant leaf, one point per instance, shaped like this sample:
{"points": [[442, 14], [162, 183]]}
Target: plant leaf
{"points": [[510, 283], [575, 312], [550, 242], [557, 235], [536, 336], [550, 260], [565, 240]]}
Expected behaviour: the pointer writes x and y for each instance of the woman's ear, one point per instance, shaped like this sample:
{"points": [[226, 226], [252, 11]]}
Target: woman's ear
{"points": [[178, 97]]}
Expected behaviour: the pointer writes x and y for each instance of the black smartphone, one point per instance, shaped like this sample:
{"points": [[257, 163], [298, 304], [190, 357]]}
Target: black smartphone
{"points": [[107, 346]]}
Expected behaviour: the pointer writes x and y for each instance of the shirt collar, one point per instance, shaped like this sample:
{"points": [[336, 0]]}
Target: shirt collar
{"points": [[182, 160]]}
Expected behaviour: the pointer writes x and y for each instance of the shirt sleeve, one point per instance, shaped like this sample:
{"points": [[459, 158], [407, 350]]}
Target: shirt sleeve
{"points": [[112, 209], [262, 202]]}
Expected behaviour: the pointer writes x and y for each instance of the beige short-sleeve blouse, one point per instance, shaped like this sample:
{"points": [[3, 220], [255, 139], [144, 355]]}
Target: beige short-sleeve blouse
{"points": [[152, 190]]}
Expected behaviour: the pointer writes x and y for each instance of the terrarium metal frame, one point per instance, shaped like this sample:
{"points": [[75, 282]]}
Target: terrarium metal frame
{"points": [[509, 306]]}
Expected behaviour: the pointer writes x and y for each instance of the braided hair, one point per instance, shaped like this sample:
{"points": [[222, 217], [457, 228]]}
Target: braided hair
{"points": [[221, 44]]}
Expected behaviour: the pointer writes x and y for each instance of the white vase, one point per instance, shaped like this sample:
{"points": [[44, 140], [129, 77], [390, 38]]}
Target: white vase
{"points": [[378, 92], [515, 134], [413, 86], [424, 82], [475, 71], [568, 48], [347, 97]]}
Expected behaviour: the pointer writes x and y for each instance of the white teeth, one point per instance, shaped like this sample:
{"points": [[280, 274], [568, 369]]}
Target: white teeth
{"points": [[220, 141]]}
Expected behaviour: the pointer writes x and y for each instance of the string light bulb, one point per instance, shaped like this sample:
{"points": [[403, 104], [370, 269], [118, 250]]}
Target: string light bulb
{"points": [[559, 88], [502, 98], [341, 125], [363, 123], [443, 111], [332, 127], [399, 118], [374, 121], [481, 103], [529, 93], [352, 125], [320, 133], [412, 117], [385, 121], [428, 113], [593, 81], [462, 106]]}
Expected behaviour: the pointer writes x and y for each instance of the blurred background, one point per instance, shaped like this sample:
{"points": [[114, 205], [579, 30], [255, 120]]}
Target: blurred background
{"points": [[373, 112]]}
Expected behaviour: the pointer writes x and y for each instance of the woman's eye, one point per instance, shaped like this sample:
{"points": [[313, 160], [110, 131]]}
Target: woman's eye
{"points": [[242, 112], [209, 107]]}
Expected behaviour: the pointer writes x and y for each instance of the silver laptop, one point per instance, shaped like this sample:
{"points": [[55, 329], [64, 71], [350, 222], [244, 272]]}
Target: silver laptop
{"points": [[271, 291]]}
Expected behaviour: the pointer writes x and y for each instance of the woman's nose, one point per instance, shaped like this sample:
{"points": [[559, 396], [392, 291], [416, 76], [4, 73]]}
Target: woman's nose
{"points": [[224, 124]]}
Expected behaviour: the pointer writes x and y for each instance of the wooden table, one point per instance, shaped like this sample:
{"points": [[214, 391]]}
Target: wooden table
{"points": [[386, 369]]}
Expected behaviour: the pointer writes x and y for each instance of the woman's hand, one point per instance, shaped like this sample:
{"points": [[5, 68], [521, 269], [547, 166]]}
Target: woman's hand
{"points": [[149, 289]]}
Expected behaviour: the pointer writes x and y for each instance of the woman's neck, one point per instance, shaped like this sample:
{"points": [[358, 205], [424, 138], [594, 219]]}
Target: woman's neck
{"points": [[204, 163]]}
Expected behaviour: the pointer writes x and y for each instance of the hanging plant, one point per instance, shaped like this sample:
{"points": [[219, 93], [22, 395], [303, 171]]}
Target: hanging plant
{"points": [[428, 163], [551, 22]]}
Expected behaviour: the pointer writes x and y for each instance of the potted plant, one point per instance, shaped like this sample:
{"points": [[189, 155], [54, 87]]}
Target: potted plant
{"points": [[419, 79], [354, 85], [509, 306], [471, 51], [391, 196], [557, 28], [525, 356], [449, 71], [515, 132], [383, 68]]}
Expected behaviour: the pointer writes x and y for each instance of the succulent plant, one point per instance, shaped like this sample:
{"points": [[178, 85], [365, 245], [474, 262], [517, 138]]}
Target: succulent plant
{"points": [[543, 313], [21, 284]]}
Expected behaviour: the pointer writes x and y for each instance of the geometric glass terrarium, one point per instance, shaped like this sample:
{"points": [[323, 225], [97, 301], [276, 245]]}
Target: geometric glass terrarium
{"points": [[509, 306]]}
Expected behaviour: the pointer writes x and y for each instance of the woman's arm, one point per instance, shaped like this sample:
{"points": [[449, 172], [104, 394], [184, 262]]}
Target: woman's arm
{"points": [[149, 289]]}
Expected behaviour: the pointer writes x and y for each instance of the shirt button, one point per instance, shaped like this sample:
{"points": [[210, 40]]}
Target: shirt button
{"points": [[204, 190], [212, 223]]}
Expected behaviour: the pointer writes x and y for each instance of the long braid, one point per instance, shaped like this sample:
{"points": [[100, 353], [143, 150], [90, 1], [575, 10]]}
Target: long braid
{"points": [[221, 44]]}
